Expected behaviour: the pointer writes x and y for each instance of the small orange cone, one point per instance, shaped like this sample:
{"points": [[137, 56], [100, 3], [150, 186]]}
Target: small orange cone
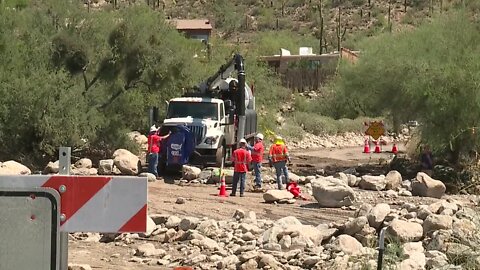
{"points": [[223, 187], [366, 147], [394, 149], [377, 147]]}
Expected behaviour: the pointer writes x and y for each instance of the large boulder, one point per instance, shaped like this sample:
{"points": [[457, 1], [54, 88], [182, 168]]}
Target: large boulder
{"points": [[126, 162], [378, 214], [150, 176], [13, 168], [83, 163], [293, 177], [405, 231], [393, 180], [139, 138], [348, 244], [304, 231], [331, 192], [275, 195], [84, 171], [370, 182], [52, 167], [425, 186], [190, 172], [355, 225], [437, 222], [208, 227], [105, 167]]}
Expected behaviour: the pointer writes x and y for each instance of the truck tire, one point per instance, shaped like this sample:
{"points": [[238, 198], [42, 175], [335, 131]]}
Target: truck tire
{"points": [[220, 156]]}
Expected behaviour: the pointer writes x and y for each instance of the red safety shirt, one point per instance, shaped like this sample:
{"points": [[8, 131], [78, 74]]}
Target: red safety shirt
{"points": [[154, 143], [278, 152], [241, 157], [294, 189], [257, 152]]}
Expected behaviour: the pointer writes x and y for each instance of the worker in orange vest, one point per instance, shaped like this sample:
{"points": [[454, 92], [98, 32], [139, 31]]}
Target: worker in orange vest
{"points": [[278, 157], [240, 158]]}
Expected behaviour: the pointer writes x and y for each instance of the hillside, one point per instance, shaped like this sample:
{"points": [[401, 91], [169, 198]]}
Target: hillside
{"points": [[241, 21]]}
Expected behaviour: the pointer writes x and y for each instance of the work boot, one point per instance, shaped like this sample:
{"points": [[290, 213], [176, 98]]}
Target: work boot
{"points": [[232, 194]]}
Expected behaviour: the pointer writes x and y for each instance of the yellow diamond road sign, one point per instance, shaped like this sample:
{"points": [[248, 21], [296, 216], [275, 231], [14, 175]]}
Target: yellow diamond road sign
{"points": [[375, 129]]}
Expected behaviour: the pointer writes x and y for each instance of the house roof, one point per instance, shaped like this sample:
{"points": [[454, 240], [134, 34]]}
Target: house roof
{"points": [[192, 24]]}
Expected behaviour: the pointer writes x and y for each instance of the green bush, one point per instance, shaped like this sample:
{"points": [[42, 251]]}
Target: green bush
{"points": [[315, 124], [357, 3], [291, 130]]}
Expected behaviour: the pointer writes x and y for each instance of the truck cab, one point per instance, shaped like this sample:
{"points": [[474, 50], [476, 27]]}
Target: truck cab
{"points": [[206, 119]]}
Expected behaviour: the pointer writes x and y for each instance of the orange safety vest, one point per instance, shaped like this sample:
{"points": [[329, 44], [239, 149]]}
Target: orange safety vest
{"points": [[241, 157], [278, 152]]}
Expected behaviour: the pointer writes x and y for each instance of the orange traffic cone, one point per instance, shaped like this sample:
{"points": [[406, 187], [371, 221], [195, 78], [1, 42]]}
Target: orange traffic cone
{"points": [[394, 149], [223, 187], [366, 147], [377, 147]]}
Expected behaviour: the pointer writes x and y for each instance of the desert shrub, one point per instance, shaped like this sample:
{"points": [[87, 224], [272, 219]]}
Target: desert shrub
{"points": [[315, 124], [291, 130]]}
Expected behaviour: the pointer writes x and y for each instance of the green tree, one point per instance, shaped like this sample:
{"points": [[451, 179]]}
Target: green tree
{"points": [[69, 77], [430, 74]]}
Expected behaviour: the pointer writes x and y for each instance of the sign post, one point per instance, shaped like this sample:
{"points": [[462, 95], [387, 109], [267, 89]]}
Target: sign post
{"points": [[64, 161]]}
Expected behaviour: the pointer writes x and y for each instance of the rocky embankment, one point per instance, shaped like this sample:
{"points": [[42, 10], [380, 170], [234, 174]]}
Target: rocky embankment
{"points": [[436, 236]]}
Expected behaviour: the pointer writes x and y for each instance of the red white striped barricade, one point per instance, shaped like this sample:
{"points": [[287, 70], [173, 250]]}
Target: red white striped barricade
{"points": [[92, 203]]}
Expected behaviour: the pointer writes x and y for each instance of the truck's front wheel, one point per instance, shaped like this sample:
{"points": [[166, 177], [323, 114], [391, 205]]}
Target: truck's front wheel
{"points": [[220, 156]]}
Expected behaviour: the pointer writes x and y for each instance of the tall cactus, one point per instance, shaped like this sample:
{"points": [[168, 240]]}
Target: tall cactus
{"points": [[322, 27], [338, 30]]}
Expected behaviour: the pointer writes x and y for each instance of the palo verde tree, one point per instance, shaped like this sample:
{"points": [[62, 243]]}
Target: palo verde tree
{"points": [[430, 74]]}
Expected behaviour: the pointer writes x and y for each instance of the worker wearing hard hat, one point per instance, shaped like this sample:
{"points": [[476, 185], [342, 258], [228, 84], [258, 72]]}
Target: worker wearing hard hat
{"points": [[240, 158], [154, 148], [257, 158], [278, 157]]}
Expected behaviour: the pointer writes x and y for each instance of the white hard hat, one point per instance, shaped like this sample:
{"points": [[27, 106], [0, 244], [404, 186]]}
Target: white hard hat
{"points": [[243, 141], [153, 128], [260, 136]]}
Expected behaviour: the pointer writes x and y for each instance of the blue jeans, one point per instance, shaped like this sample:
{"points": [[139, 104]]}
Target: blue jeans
{"points": [[238, 176], [257, 166], [281, 168], [153, 163]]}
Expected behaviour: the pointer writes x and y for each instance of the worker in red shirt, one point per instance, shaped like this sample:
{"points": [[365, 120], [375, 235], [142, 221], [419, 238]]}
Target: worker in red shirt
{"points": [[154, 141], [240, 158], [257, 158], [293, 187], [278, 157]]}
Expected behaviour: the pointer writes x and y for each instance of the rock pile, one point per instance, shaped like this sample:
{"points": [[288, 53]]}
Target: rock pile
{"points": [[443, 234], [123, 163], [348, 139]]}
